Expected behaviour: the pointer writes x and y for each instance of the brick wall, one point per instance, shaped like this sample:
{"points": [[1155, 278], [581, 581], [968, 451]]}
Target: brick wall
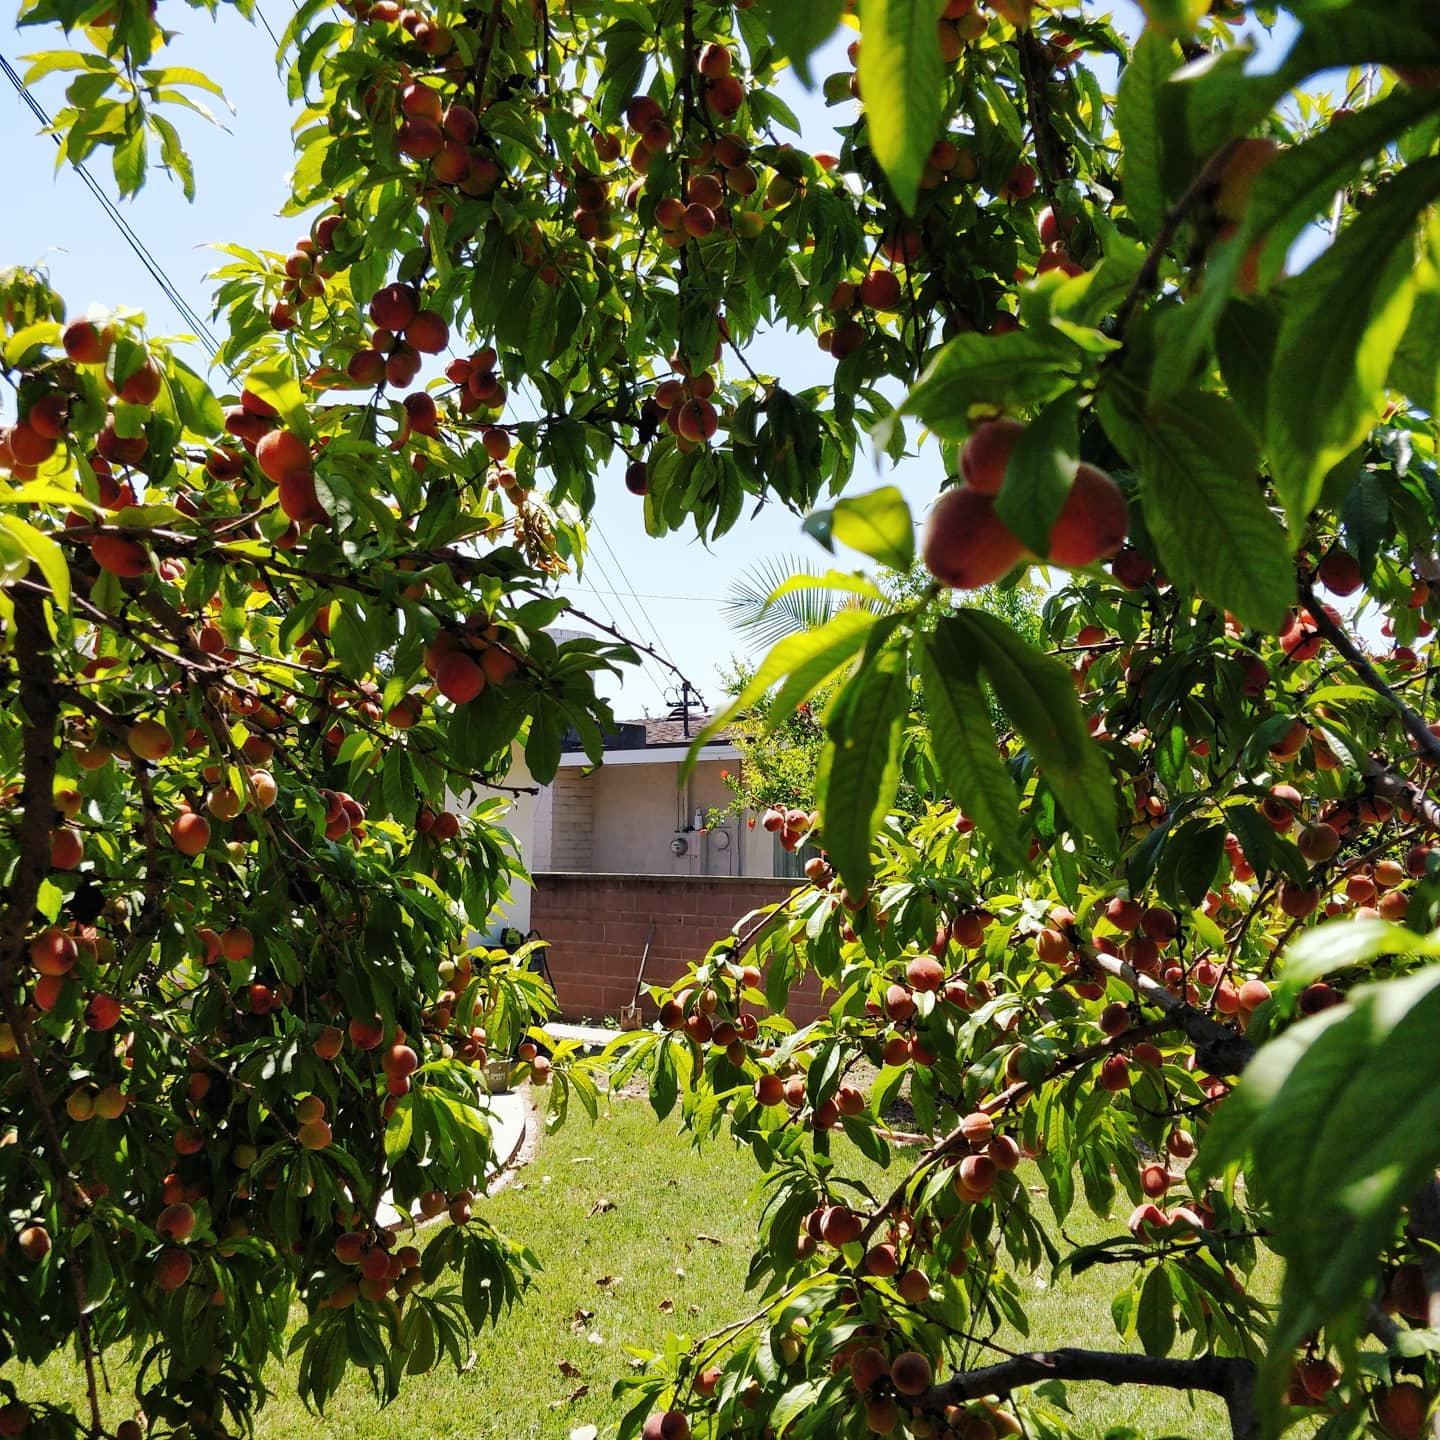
{"points": [[597, 924]]}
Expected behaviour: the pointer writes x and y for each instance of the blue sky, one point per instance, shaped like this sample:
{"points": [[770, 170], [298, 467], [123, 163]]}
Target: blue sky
{"points": [[667, 593]]}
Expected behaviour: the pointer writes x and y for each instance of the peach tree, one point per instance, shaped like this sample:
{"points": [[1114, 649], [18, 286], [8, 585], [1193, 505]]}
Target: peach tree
{"points": [[1161, 926]]}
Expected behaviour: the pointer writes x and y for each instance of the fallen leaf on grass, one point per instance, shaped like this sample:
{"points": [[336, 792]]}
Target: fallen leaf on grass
{"points": [[710, 1239], [577, 1394], [667, 1307], [600, 1207], [595, 1338], [605, 1282], [569, 1371], [584, 1432]]}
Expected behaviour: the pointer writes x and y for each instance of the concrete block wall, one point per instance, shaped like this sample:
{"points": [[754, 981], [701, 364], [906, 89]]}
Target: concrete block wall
{"points": [[572, 820], [597, 925]]}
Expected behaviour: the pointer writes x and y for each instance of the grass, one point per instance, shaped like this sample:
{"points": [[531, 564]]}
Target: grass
{"points": [[664, 1196]]}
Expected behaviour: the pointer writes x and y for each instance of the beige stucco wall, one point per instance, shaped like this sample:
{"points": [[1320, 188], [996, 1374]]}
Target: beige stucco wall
{"points": [[640, 810], [623, 818]]}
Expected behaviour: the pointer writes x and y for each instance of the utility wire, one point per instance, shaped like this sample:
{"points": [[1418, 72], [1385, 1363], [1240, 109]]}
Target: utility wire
{"points": [[648, 665], [156, 270]]}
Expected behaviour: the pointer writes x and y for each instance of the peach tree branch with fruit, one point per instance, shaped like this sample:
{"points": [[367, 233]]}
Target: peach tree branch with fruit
{"points": [[1163, 913]]}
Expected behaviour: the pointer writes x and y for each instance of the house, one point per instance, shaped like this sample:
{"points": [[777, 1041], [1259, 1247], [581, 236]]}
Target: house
{"points": [[627, 868]]}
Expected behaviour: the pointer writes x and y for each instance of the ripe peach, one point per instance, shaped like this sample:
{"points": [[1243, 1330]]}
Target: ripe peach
{"points": [[176, 1222], [87, 343], [911, 1373], [67, 849], [1180, 1144], [120, 555], [925, 974], [52, 952], [987, 452], [190, 833], [28, 446], [880, 290], [713, 61], [281, 452], [965, 544], [1401, 1410], [314, 1135], [1004, 1150], [427, 333], [1319, 842], [841, 1226], [172, 1269], [459, 678], [914, 1287], [868, 1366], [367, 1034], [34, 1242], [1339, 572], [1239, 174], [1093, 522], [142, 387], [977, 1173], [103, 1012], [725, 95], [666, 1425], [977, 1127], [1280, 807], [1253, 994], [328, 1042]]}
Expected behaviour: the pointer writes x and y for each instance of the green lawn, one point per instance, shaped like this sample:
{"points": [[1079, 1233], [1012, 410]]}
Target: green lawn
{"points": [[663, 1196]]}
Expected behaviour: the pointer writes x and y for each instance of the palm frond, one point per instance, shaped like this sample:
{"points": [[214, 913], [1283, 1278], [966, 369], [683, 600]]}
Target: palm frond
{"points": [[766, 621]]}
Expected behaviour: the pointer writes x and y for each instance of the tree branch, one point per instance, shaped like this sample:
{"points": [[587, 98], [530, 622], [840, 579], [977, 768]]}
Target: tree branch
{"points": [[1049, 150], [40, 709], [1426, 742], [1233, 1380], [1150, 270], [1219, 1049]]}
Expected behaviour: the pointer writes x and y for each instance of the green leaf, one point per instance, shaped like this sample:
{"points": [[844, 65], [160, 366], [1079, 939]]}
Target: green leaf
{"points": [[963, 737], [1155, 1314], [1344, 319], [399, 1128], [1300, 184], [797, 31], [47, 555], [1191, 858], [988, 373], [129, 160], [1040, 473], [199, 409], [903, 80], [1139, 117], [877, 524], [1415, 369], [859, 768], [1343, 944], [273, 381], [804, 661], [1203, 502], [1338, 1126], [1038, 695]]}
